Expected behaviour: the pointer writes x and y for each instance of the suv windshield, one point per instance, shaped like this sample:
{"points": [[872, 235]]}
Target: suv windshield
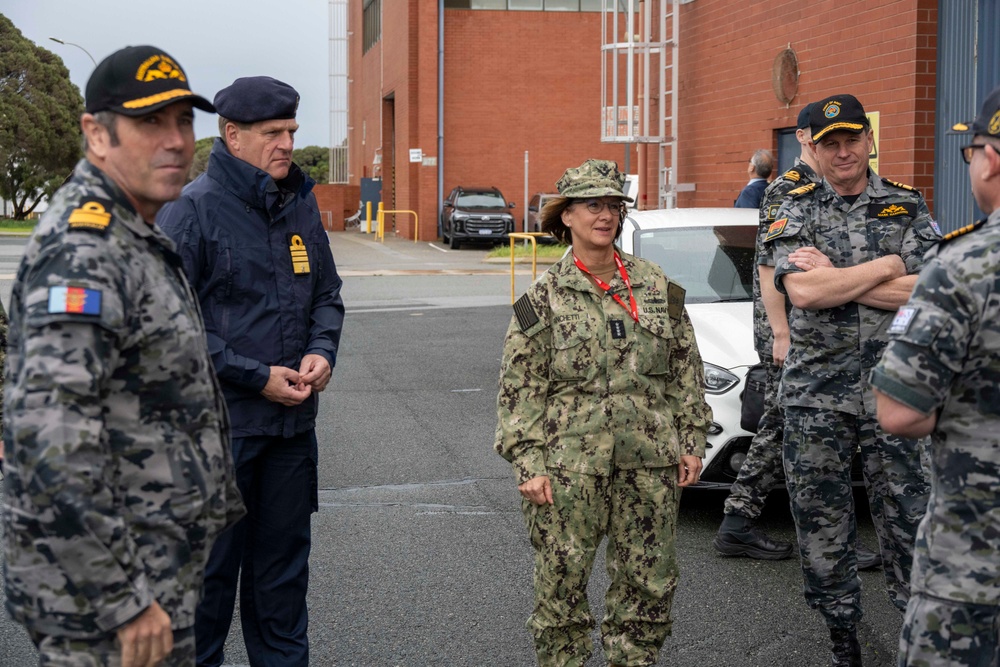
{"points": [[711, 263], [481, 200]]}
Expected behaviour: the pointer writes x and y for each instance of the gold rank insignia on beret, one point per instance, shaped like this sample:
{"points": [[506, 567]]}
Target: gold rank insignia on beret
{"points": [[805, 189]]}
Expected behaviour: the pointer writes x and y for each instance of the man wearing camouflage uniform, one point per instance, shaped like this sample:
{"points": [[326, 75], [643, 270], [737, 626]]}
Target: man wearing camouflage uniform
{"points": [[940, 376], [738, 536], [119, 472], [601, 412], [846, 251], [759, 473]]}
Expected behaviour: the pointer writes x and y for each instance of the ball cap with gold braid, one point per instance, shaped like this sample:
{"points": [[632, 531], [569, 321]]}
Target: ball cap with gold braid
{"points": [[987, 123], [837, 112], [138, 80]]}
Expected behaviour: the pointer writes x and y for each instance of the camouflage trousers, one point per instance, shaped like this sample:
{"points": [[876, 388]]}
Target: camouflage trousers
{"points": [[637, 511], [944, 633], [761, 471], [106, 652], [818, 447]]}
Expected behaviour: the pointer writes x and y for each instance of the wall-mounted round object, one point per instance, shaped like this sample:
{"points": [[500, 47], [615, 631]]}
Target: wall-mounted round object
{"points": [[785, 76]]}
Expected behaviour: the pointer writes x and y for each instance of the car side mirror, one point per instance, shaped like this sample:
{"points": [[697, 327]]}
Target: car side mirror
{"points": [[448, 204], [511, 204]]}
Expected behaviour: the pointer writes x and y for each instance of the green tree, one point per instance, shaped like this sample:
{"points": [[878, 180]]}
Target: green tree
{"points": [[40, 112], [202, 149], [315, 161]]}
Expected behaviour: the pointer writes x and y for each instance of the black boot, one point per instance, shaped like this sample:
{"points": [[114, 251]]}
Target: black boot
{"points": [[737, 536], [846, 651], [867, 560]]}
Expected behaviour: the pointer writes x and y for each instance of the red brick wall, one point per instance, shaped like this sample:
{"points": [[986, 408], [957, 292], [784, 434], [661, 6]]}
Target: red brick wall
{"points": [[884, 53], [336, 202], [517, 81]]}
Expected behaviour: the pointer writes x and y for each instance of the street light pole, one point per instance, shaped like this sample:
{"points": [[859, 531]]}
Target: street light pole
{"points": [[59, 41]]}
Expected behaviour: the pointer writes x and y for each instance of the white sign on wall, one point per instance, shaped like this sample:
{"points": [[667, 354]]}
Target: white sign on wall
{"points": [[416, 155]]}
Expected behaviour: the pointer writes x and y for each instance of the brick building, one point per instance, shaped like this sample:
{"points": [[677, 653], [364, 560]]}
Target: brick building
{"points": [[518, 77]]}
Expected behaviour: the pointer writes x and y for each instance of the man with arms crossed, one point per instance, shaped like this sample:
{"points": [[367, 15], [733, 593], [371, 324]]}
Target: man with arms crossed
{"points": [[846, 251]]}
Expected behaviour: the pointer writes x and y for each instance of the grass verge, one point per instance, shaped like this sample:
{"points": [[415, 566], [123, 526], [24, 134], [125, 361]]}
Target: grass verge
{"points": [[522, 249], [11, 225]]}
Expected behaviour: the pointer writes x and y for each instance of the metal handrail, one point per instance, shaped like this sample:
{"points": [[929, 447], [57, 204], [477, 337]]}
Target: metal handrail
{"points": [[526, 236], [380, 233]]}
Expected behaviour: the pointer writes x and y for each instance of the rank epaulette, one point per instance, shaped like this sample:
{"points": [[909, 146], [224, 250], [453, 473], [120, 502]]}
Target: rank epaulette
{"points": [[899, 185], [792, 175], [805, 189], [93, 215], [962, 231], [525, 313]]}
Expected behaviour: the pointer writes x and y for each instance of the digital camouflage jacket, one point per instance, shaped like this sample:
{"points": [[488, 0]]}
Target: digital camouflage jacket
{"points": [[119, 471], [944, 356], [834, 349], [585, 388]]}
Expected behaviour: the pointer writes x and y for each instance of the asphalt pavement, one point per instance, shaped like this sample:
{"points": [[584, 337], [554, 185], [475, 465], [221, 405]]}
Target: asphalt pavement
{"points": [[420, 556]]}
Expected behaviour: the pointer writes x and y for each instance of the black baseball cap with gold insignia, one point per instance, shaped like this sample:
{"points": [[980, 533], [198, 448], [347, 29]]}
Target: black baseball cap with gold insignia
{"points": [[138, 80], [987, 123], [837, 112]]}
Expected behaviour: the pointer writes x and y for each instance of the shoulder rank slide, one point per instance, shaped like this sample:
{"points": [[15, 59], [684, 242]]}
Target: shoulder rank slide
{"points": [[899, 185], [792, 175], [93, 215], [962, 231], [805, 189], [525, 313]]}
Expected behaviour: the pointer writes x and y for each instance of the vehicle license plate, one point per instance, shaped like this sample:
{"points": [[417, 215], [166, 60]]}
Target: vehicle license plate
{"points": [[486, 232]]}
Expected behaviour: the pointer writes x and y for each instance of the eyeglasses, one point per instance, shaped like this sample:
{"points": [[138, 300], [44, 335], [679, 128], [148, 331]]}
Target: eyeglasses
{"points": [[595, 206], [967, 151]]}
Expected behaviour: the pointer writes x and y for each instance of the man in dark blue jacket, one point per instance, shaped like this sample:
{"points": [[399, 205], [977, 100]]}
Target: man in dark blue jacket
{"points": [[759, 170], [254, 249]]}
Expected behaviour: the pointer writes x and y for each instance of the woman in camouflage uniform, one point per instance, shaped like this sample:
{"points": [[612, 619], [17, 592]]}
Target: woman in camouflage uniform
{"points": [[602, 414]]}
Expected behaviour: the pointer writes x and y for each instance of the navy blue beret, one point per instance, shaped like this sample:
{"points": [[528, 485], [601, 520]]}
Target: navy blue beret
{"points": [[255, 98]]}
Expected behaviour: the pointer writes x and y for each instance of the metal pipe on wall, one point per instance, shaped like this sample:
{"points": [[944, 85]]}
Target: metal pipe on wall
{"points": [[440, 165]]}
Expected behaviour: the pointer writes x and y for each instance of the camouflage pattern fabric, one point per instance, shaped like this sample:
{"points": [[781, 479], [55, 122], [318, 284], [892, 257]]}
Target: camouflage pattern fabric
{"points": [[945, 357], [822, 370], [106, 651], [600, 402], [634, 508], [4, 327], [762, 469], [818, 448], [939, 633], [119, 472], [826, 370], [572, 396], [800, 174]]}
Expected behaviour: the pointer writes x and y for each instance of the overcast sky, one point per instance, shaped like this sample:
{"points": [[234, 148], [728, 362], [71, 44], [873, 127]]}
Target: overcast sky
{"points": [[215, 41]]}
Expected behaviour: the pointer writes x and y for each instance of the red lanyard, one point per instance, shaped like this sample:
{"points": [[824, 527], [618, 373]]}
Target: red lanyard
{"points": [[632, 308]]}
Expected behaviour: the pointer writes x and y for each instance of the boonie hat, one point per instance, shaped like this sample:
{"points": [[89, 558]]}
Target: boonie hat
{"points": [[255, 98], [803, 120], [138, 80], [839, 112], [594, 178], [987, 123]]}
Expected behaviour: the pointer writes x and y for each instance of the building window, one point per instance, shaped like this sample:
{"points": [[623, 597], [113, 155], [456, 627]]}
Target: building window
{"points": [[371, 24]]}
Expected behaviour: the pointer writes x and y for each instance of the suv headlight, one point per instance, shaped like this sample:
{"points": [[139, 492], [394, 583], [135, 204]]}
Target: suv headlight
{"points": [[458, 224], [718, 380]]}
